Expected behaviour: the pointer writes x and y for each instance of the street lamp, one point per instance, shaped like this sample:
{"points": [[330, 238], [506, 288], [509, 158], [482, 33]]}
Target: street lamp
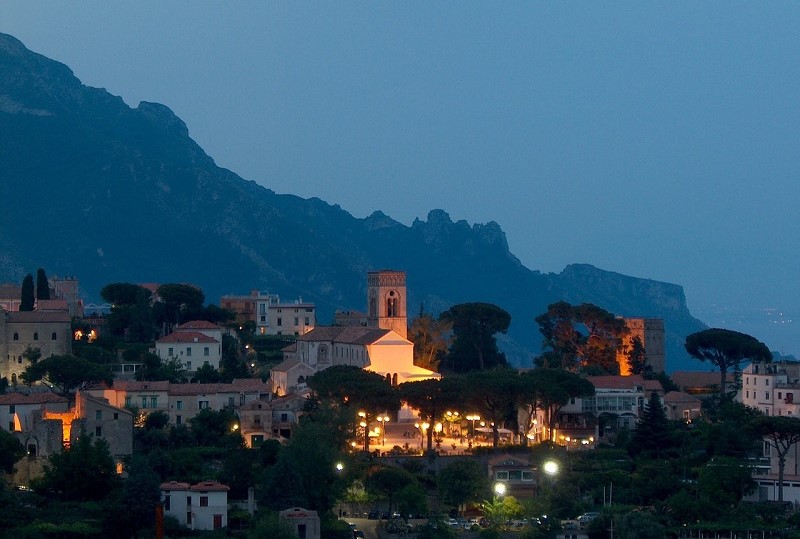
{"points": [[500, 489], [473, 418], [383, 419], [550, 467]]}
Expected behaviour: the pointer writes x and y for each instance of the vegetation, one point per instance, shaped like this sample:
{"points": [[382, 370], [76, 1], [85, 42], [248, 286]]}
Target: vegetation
{"points": [[726, 350], [474, 346], [27, 296]]}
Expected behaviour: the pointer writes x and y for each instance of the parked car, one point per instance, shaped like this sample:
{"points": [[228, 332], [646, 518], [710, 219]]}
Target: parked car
{"points": [[586, 518], [372, 515]]}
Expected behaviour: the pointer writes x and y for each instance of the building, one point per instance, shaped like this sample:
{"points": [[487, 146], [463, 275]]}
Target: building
{"points": [[617, 403], [290, 375], [703, 383], [192, 348], [680, 406], [516, 473], [378, 350], [48, 331], [270, 315], [650, 332], [304, 522], [182, 402], [387, 301], [203, 506], [773, 388]]}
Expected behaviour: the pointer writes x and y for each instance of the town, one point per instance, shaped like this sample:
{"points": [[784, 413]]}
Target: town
{"points": [[157, 414]]}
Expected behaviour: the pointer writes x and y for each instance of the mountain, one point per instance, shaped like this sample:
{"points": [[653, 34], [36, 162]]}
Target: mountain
{"points": [[95, 189]]}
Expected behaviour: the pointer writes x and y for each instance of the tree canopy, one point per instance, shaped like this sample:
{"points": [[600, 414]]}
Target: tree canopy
{"points": [[67, 374], [431, 338], [782, 433], [432, 398], [27, 296], [42, 285], [726, 349], [474, 346], [580, 337]]}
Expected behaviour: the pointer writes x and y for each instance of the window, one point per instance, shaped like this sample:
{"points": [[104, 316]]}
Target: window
{"points": [[36, 336], [230, 401], [170, 352], [206, 351], [527, 476], [188, 350], [766, 395], [203, 501], [16, 336], [301, 531], [256, 440], [144, 402], [54, 336], [19, 360], [296, 321], [766, 381], [153, 402], [188, 501], [116, 416], [284, 418], [747, 394], [188, 517], [127, 402], [501, 475], [98, 431], [178, 420], [280, 322], [179, 405], [217, 522], [307, 321], [202, 405], [12, 408], [166, 502], [257, 419], [98, 414], [188, 365]]}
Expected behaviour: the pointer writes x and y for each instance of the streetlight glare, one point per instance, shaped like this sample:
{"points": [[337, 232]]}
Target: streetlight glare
{"points": [[500, 489], [551, 467]]}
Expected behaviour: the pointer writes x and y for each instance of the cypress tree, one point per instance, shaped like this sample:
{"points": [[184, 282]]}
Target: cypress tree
{"points": [[42, 286], [26, 299], [653, 437]]}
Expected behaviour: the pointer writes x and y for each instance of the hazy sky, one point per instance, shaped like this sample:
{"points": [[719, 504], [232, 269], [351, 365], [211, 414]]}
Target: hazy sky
{"points": [[659, 140]]}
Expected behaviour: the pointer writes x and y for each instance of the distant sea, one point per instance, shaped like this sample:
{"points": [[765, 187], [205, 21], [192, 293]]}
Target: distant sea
{"points": [[778, 328]]}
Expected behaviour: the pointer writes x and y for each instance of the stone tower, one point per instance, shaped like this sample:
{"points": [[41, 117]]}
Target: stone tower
{"points": [[387, 300]]}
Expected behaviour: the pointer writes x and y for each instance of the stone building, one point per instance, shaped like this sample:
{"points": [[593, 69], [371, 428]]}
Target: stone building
{"points": [[49, 331]]}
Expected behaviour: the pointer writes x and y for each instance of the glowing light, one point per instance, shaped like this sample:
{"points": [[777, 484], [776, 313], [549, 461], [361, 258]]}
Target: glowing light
{"points": [[550, 467]]}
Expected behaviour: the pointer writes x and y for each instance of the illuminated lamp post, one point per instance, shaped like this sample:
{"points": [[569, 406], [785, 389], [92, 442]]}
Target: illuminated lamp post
{"points": [[473, 418], [383, 419]]}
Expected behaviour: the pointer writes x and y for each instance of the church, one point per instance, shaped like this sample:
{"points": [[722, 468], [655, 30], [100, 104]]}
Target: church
{"points": [[379, 344]]}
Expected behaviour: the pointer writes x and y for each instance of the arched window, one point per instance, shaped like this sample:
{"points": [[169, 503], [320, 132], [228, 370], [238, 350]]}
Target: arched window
{"points": [[394, 379], [388, 377], [16, 336], [373, 305], [14, 379], [322, 354], [54, 336], [36, 336]]}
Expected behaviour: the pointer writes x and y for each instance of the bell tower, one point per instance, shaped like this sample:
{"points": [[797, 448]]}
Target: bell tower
{"points": [[386, 301]]}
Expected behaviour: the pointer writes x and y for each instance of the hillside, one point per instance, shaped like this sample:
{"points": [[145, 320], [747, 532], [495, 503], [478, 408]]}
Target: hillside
{"points": [[93, 188]]}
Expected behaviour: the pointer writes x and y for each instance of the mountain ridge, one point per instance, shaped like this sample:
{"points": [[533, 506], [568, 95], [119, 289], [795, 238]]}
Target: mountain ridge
{"points": [[110, 193]]}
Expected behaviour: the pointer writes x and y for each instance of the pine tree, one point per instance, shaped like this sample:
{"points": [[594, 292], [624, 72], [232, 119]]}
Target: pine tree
{"points": [[42, 286], [26, 298], [653, 436]]}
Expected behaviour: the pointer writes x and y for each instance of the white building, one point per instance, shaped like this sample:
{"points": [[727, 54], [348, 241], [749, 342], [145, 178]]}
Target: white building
{"points": [[192, 348], [203, 506]]}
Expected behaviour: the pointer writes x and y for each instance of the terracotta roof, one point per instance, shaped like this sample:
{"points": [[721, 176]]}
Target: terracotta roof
{"points": [[36, 317], [174, 485], [199, 324], [10, 291], [653, 385], [33, 398], [135, 385], [201, 389], [250, 384], [187, 337], [508, 461], [51, 305], [680, 397], [209, 486], [690, 379], [291, 348]]}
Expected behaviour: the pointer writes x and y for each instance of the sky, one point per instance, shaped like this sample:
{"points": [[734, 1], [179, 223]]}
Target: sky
{"points": [[658, 140]]}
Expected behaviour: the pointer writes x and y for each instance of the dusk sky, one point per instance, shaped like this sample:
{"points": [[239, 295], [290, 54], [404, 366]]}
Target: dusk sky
{"points": [[659, 140]]}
